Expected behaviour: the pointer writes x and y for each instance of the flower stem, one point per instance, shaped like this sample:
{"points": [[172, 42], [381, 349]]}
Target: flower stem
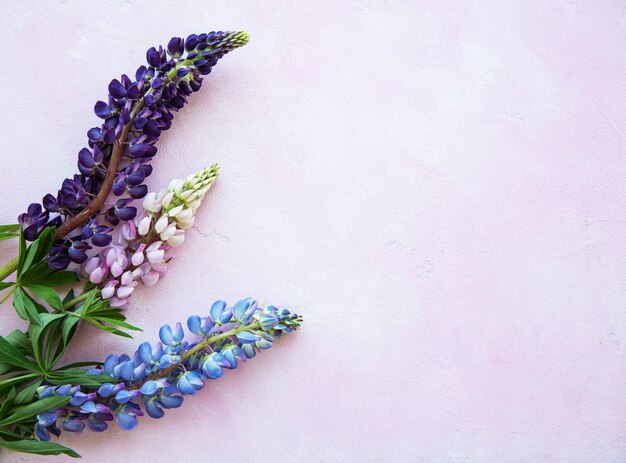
{"points": [[95, 205], [6, 296], [8, 268], [198, 348], [71, 303]]}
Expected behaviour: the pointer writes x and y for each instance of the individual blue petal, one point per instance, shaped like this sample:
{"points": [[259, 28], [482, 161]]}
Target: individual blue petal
{"points": [[166, 335], [89, 407], [168, 360], [171, 401], [145, 352], [124, 370], [189, 382], [149, 388], [125, 420], [240, 308], [178, 334], [63, 390], [126, 415], [96, 425], [42, 433], [217, 309], [229, 355], [47, 418], [194, 324], [108, 389], [261, 344], [80, 398], [73, 424], [45, 391], [226, 316], [268, 321], [248, 349], [212, 369], [109, 363], [153, 408], [125, 395], [184, 386], [247, 337]]}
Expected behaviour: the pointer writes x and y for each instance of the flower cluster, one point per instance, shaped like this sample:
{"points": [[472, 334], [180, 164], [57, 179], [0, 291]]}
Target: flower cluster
{"points": [[160, 376], [139, 248], [135, 114]]}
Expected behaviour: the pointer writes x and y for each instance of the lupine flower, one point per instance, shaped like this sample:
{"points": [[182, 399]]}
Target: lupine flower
{"points": [[160, 377], [135, 114], [138, 250]]}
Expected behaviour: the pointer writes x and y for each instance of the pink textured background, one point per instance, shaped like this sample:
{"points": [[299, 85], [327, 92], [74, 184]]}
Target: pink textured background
{"points": [[438, 187]]}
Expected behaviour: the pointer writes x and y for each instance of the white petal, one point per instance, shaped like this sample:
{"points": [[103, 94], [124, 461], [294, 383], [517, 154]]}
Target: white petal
{"points": [[167, 200], [144, 226], [124, 291], [137, 259], [161, 224], [177, 239], [168, 232], [155, 256]]}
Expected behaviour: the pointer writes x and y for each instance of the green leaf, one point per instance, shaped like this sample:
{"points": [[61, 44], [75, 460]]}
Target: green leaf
{"points": [[77, 377], [117, 322], [38, 447], [8, 403], [24, 306], [20, 341], [31, 252], [9, 228], [36, 252], [16, 381], [47, 294], [28, 393], [11, 355], [108, 329], [50, 277], [80, 364], [22, 252], [6, 284], [68, 328], [8, 236], [25, 412]]}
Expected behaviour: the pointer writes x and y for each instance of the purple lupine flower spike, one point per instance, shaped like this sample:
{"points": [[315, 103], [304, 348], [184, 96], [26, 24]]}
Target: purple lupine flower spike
{"points": [[135, 113]]}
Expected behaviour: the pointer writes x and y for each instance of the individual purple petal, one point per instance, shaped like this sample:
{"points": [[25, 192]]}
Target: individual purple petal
{"points": [[116, 89], [126, 213], [102, 110], [101, 240], [138, 191], [95, 134]]}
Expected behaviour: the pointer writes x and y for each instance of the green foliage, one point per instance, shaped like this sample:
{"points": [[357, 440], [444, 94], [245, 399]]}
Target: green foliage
{"points": [[29, 359], [35, 280], [9, 231]]}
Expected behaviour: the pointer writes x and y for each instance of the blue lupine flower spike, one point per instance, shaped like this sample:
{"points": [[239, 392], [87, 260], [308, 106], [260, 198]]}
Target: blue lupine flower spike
{"points": [[159, 377]]}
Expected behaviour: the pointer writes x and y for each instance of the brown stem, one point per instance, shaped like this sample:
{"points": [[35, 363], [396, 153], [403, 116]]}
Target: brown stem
{"points": [[94, 206]]}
